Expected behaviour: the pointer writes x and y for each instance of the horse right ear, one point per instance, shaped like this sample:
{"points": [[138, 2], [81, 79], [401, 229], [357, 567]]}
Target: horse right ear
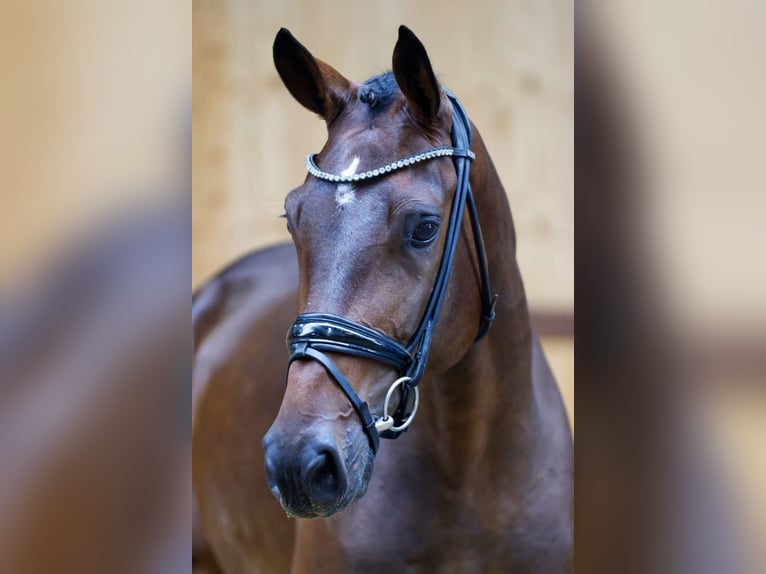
{"points": [[316, 85], [415, 77]]}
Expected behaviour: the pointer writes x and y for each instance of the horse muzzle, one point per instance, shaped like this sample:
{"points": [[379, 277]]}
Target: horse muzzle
{"points": [[310, 481]]}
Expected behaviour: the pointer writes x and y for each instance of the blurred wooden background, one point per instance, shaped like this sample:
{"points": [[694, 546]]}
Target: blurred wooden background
{"points": [[510, 63]]}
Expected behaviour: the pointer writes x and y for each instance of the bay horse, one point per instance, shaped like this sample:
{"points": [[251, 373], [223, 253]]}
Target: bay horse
{"points": [[399, 229]]}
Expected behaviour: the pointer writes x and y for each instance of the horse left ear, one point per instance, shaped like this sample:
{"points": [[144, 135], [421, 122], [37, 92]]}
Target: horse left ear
{"points": [[415, 77], [316, 85]]}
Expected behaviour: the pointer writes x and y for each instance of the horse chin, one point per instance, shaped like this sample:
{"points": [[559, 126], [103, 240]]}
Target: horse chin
{"points": [[316, 510]]}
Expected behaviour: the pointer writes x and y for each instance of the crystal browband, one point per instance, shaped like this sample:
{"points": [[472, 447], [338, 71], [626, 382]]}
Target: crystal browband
{"points": [[444, 151]]}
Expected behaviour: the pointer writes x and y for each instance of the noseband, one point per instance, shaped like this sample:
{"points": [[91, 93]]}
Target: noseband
{"points": [[314, 334]]}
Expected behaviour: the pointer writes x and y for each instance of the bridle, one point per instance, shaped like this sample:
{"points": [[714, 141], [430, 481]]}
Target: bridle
{"points": [[314, 334]]}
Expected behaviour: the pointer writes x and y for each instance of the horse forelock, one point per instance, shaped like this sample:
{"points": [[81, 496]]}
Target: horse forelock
{"points": [[379, 91]]}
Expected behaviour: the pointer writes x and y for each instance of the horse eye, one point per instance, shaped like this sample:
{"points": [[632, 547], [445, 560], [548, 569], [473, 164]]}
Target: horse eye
{"points": [[424, 233]]}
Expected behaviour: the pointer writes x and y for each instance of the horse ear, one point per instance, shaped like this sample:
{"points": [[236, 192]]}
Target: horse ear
{"points": [[416, 79], [316, 85]]}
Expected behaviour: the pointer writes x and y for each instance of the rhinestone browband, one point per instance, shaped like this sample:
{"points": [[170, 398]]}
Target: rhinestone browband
{"points": [[445, 151]]}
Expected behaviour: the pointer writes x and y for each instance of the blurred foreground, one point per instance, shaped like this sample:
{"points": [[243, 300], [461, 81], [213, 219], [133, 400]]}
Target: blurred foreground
{"points": [[671, 355], [94, 413], [94, 271]]}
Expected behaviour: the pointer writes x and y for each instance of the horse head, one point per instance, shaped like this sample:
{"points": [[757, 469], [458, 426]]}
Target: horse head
{"points": [[371, 226]]}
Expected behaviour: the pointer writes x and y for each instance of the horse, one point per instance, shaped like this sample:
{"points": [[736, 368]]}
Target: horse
{"points": [[412, 324]]}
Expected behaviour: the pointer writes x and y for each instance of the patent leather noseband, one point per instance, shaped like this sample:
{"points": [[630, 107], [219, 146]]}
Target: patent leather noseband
{"points": [[312, 335]]}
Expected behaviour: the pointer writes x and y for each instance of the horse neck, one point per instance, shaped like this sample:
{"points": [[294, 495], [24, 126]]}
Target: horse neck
{"points": [[488, 394]]}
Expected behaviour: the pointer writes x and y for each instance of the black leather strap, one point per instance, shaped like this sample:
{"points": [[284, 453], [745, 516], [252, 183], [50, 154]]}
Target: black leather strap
{"points": [[331, 333], [488, 300], [361, 408], [420, 344]]}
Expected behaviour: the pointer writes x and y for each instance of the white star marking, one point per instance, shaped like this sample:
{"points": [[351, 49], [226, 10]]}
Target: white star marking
{"points": [[344, 194]]}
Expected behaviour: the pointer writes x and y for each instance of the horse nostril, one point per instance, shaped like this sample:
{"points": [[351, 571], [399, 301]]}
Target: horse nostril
{"points": [[325, 477], [308, 479], [326, 474]]}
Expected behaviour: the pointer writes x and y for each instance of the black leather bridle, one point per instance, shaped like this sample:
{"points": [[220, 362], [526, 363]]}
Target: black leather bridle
{"points": [[312, 335]]}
